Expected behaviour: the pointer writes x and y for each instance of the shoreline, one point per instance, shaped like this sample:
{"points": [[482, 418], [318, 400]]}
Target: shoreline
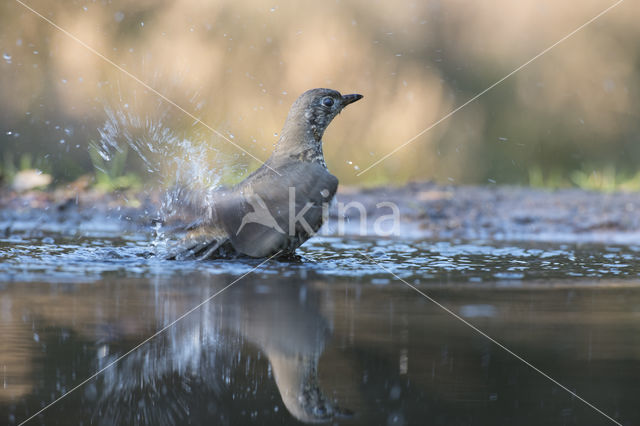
{"points": [[427, 211]]}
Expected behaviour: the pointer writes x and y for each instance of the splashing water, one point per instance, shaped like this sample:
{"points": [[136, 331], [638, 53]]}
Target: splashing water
{"points": [[186, 170]]}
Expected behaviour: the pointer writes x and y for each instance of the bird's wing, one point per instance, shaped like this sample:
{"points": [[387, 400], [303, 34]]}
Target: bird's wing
{"points": [[257, 217]]}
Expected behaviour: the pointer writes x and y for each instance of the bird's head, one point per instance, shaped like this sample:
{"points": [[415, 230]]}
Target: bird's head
{"points": [[312, 112]]}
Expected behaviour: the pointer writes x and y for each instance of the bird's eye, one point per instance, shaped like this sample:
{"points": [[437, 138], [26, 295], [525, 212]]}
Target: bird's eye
{"points": [[327, 101]]}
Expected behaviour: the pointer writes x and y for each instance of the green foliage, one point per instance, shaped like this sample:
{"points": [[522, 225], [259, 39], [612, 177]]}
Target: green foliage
{"points": [[110, 170], [605, 179], [7, 168], [550, 180]]}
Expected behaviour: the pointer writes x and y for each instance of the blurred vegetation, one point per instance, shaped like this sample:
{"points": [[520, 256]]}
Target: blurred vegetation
{"points": [[568, 119], [110, 171], [607, 179], [10, 166]]}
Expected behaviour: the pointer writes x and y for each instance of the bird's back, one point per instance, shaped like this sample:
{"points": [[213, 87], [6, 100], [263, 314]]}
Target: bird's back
{"points": [[268, 212], [265, 214]]}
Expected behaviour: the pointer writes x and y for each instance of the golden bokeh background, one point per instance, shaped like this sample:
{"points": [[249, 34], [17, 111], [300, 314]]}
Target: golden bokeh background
{"points": [[239, 65]]}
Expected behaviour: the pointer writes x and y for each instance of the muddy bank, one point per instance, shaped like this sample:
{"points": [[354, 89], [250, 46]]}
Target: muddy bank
{"points": [[506, 213], [426, 210]]}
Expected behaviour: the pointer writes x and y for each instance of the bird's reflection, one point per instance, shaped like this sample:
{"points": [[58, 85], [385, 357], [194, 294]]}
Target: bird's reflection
{"points": [[193, 369], [288, 326]]}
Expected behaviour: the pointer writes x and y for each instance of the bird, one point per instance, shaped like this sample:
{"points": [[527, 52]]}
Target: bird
{"points": [[281, 204]]}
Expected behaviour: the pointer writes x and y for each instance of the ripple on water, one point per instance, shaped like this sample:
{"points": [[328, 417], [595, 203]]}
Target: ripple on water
{"points": [[68, 258]]}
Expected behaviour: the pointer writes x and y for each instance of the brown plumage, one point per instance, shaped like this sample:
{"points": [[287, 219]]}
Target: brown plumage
{"points": [[280, 205]]}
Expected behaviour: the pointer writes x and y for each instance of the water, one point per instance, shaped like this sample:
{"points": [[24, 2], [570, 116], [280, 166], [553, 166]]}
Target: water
{"points": [[334, 335]]}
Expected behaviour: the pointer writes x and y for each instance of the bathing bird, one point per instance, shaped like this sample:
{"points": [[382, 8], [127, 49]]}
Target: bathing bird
{"points": [[280, 205]]}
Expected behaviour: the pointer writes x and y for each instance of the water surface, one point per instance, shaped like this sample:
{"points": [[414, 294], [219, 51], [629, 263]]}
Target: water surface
{"points": [[333, 336]]}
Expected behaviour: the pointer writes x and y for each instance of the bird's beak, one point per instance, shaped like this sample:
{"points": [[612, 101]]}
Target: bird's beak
{"points": [[349, 99]]}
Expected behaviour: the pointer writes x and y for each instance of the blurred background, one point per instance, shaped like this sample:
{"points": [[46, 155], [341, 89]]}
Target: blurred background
{"points": [[571, 118]]}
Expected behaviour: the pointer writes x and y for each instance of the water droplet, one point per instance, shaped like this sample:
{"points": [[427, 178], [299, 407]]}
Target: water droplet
{"points": [[118, 16], [103, 351], [142, 24], [19, 42], [85, 8], [64, 81], [275, 134], [61, 141], [7, 58], [9, 133], [503, 139], [349, 162], [273, 9], [35, 52]]}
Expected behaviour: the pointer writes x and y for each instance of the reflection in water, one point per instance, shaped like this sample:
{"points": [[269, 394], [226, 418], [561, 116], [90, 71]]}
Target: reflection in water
{"points": [[199, 356], [281, 319], [293, 342], [285, 322]]}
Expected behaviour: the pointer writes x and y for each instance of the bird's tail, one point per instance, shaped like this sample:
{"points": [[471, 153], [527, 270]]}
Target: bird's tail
{"points": [[201, 244]]}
